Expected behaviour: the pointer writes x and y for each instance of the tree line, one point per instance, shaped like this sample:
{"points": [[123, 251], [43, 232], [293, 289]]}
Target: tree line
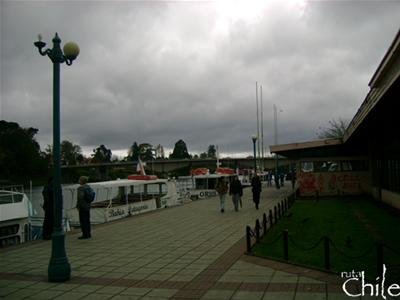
{"points": [[22, 157]]}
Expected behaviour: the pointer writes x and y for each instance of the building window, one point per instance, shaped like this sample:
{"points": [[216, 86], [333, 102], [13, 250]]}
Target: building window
{"points": [[306, 167]]}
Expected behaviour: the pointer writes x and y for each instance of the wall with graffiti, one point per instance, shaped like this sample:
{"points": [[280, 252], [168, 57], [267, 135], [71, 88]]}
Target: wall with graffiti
{"points": [[327, 177]]}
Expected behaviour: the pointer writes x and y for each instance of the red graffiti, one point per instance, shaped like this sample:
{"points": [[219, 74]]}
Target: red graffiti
{"points": [[306, 182]]}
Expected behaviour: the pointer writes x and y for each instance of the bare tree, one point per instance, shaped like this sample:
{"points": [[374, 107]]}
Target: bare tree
{"points": [[160, 151], [335, 130]]}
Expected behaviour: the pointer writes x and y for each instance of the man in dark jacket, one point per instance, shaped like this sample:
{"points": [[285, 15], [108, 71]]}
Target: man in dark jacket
{"points": [[84, 208], [48, 207], [256, 189], [236, 191]]}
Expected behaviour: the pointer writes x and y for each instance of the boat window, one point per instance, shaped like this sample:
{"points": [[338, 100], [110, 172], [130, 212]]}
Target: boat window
{"points": [[185, 183], [164, 189], [7, 197], [212, 182], [9, 230], [153, 189], [8, 241], [201, 184]]}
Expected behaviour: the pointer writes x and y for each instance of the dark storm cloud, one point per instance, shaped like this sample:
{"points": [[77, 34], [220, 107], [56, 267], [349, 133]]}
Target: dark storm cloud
{"points": [[161, 71]]}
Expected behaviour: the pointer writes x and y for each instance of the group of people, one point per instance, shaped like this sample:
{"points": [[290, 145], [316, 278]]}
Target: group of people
{"points": [[235, 190], [82, 205]]}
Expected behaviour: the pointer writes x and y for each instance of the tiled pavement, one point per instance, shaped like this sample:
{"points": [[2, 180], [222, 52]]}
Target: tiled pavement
{"points": [[190, 251]]}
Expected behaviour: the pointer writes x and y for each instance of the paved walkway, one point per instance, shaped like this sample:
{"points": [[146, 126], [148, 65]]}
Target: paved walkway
{"points": [[190, 251]]}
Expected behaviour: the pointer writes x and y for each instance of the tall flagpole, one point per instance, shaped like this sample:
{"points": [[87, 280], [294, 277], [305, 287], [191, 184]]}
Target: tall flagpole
{"points": [[258, 125], [262, 132]]}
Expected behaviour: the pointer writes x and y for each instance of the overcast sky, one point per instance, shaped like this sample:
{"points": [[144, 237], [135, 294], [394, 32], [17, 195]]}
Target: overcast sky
{"points": [[160, 71]]}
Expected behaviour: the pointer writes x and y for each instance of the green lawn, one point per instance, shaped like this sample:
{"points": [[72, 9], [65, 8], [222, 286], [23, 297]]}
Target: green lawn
{"points": [[364, 221]]}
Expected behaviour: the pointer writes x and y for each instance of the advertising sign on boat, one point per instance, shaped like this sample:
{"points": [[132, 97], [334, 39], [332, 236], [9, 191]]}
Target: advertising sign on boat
{"points": [[118, 212]]}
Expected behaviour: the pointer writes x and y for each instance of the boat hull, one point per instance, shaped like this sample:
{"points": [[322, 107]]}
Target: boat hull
{"points": [[99, 215]]}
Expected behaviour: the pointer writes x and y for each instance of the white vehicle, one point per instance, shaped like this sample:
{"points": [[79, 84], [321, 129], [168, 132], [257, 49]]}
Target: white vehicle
{"points": [[125, 197]]}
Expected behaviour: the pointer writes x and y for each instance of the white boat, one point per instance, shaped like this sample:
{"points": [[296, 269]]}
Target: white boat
{"points": [[201, 185], [16, 211], [124, 197]]}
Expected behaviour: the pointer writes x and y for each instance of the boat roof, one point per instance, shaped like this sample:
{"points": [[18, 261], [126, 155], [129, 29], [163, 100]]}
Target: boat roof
{"points": [[205, 176], [117, 183]]}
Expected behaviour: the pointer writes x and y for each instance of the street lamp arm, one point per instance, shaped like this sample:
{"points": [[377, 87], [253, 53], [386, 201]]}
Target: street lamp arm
{"points": [[67, 61], [41, 45], [71, 50], [49, 53]]}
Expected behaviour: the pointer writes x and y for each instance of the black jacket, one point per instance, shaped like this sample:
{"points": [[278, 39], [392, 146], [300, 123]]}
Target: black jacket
{"points": [[256, 184], [236, 188]]}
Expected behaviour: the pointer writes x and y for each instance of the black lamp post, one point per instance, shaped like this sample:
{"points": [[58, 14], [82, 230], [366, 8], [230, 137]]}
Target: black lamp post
{"points": [[59, 268], [254, 138], [276, 143]]}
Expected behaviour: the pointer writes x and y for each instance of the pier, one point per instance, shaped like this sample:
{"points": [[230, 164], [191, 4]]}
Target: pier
{"points": [[188, 251]]}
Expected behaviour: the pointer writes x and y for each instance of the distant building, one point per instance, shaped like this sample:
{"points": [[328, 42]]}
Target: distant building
{"points": [[367, 158]]}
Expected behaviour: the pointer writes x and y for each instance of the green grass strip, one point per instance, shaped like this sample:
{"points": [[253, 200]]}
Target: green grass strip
{"points": [[353, 225]]}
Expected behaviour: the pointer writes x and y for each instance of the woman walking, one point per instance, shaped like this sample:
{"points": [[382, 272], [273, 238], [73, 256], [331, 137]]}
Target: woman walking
{"points": [[236, 191], [222, 189]]}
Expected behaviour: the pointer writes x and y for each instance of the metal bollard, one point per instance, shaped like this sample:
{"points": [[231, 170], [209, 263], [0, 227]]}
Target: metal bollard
{"points": [[248, 239], [326, 251], [285, 245], [271, 223], [265, 223]]}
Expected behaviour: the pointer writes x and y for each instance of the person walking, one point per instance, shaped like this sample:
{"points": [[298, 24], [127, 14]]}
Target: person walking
{"points": [[48, 207], [269, 178], [236, 191], [256, 189], [293, 178], [84, 208], [282, 177], [222, 188]]}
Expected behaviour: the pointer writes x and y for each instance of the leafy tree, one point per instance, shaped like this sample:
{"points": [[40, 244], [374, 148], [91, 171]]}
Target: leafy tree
{"points": [[212, 152], [80, 158], [180, 151], [102, 153], [144, 150], [203, 155], [20, 154], [336, 129], [69, 152], [133, 152], [49, 150]]}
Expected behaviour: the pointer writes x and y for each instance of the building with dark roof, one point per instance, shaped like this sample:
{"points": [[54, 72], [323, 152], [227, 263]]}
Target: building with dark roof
{"points": [[366, 159]]}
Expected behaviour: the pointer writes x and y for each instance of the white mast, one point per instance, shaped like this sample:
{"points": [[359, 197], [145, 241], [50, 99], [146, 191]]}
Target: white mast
{"points": [[258, 125], [262, 132]]}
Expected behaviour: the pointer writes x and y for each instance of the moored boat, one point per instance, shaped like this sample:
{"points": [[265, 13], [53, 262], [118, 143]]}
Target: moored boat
{"points": [[117, 199], [201, 186], [16, 211]]}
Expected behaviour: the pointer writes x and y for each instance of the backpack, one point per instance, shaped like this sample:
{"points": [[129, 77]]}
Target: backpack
{"points": [[89, 195]]}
